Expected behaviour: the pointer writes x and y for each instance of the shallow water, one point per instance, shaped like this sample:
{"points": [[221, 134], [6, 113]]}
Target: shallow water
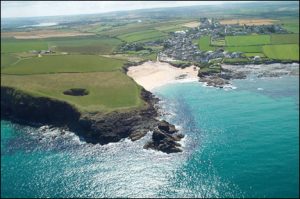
{"points": [[241, 142]]}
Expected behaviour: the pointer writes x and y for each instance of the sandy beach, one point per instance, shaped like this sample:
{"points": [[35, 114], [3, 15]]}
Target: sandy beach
{"points": [[151, 75]]}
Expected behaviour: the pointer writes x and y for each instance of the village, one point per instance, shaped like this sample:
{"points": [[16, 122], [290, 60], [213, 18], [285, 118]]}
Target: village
{"points": [[180, 45]]}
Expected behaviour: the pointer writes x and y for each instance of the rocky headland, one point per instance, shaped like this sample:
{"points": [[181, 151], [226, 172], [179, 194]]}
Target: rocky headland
{"points": [[95, 128], [230, 72]]}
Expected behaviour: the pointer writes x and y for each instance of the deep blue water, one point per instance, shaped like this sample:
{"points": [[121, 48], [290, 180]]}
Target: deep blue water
{"points": [[239, 143]]}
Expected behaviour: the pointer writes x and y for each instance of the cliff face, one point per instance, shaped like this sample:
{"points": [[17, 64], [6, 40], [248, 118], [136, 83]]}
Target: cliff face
{"points": [[94, 128], [21, 106]]}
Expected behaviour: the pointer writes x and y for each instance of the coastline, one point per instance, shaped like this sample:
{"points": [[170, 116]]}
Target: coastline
{"points": [[151, 75], [102, 128]]}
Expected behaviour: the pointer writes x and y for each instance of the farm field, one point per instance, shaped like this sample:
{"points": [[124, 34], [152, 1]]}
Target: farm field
{"points": [[284, 52], [42, 34], [275, 46], [254, 54], [142, 36], [219, 42], [249, 49], [292, 27], [86, 45], [192, 24], [285, 39], [204, 44], [164, 26], [248, 22], [247, 40], [15, 45], [8, 59], [83, 45], [63, 64], [291, 24], [107, 90], [170, 28]]}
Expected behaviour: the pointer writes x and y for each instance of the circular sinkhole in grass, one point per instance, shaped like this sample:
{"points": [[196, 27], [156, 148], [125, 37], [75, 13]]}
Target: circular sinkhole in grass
{"points": [[76, 92]]}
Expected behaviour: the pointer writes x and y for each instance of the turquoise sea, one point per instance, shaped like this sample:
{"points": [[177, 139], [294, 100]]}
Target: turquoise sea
{"points": [[241, 142]]}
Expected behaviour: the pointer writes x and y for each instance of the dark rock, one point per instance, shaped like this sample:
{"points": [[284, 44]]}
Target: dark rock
{"points": [[137, 135], [164, 142], [167, 127], [178, 137]]}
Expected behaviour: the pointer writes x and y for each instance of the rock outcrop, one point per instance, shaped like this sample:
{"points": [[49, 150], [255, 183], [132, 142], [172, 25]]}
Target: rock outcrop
{"points": [[219, 79], [164, 138]]}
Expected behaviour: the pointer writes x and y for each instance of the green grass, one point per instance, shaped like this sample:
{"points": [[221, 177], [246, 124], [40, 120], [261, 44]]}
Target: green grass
{"points": [[254, 54], [204, 44], [137, 27], [83, 45], [285, 39], [282, 52], [14, 45], [8, 59], [152, 57], [171, 28], [294, 28], [219, 42], [291, 24], [247, 40], [86, 45], [63, 64], [246, 49], [108, 91], [142, 36]]}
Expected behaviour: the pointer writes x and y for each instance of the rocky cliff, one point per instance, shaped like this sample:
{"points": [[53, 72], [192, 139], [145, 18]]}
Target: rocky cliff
{"points": [[94, 128]]}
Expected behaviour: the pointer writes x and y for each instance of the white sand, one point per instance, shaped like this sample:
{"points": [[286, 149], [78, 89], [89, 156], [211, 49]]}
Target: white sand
{"points": [[151, 75]]}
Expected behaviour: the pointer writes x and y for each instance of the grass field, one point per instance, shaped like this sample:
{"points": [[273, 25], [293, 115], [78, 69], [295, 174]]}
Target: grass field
{"points": [[107, 90], [171, 28], [292, 27], [14, 45], [63, 64], [144, 26], [8, 59], [284, 52], [291, 24], [86, 45], [142, 36], [254, 54], [265, 45], [246, 49], [247, 40], [285, 39], [204, 44], [248, 22], [219, 42], [82, 44]]}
